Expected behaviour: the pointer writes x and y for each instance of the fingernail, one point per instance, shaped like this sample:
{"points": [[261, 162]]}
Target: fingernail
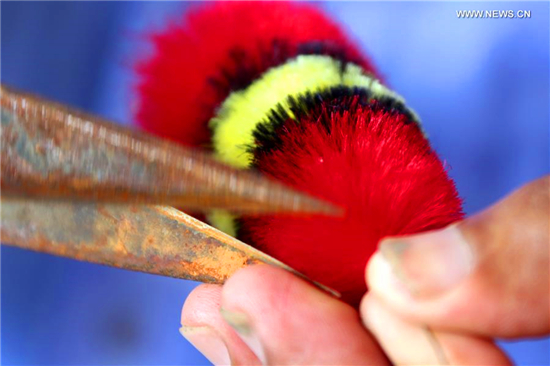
{"points": [[240, 322], [429, 263], [208, 342]]}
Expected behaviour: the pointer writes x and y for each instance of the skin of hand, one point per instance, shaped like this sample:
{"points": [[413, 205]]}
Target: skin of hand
{"points": [[265, 315], [437, 297], [485, 277]]}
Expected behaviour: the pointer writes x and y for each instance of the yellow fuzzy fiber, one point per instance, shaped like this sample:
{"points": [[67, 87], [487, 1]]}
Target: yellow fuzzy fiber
{"points": [[239, 114], [223, 221]]}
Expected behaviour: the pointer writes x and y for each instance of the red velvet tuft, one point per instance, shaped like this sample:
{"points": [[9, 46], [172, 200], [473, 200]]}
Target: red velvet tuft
{"points": [[196, 63], [366, 159], [371, 162]]}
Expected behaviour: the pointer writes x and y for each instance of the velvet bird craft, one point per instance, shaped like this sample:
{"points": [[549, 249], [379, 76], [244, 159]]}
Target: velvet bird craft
{"points": [[280, 88]]}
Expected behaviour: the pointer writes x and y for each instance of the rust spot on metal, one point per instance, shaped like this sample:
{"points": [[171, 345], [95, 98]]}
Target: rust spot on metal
{"points": [[152, 239]]}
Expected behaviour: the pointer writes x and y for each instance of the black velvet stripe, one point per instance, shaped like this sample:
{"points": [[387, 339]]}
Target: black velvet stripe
{"points": [[328, 48], [392, 105], [242, 71], [334, 100]]}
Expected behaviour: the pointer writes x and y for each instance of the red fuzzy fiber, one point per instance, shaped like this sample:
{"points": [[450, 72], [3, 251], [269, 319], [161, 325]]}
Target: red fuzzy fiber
{"points": [[380, 169], [177, 96], [367, 159]]}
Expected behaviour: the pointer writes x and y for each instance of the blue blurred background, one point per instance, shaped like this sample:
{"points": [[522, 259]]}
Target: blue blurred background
{"points": [[481, 87]]}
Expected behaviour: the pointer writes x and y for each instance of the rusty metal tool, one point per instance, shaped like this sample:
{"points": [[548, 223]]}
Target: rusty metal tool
{"points": [[77, 186], [51, 151]]}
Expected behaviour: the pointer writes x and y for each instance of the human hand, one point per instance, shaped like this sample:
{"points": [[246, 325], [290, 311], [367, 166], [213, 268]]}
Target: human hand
{"points": [[269, 316], [485, 277]]}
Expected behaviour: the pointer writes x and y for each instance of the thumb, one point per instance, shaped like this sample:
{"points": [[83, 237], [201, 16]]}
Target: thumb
{"points": [[487, 275]]}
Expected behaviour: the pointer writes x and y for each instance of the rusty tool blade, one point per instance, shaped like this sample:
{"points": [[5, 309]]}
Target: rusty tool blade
{"points": [[147, 238], [51, 151]]}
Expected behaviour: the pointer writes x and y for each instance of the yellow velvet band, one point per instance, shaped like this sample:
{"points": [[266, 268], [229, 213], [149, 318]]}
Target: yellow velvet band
{"points": [[240, 113], [223, 221], [233, 126]]}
